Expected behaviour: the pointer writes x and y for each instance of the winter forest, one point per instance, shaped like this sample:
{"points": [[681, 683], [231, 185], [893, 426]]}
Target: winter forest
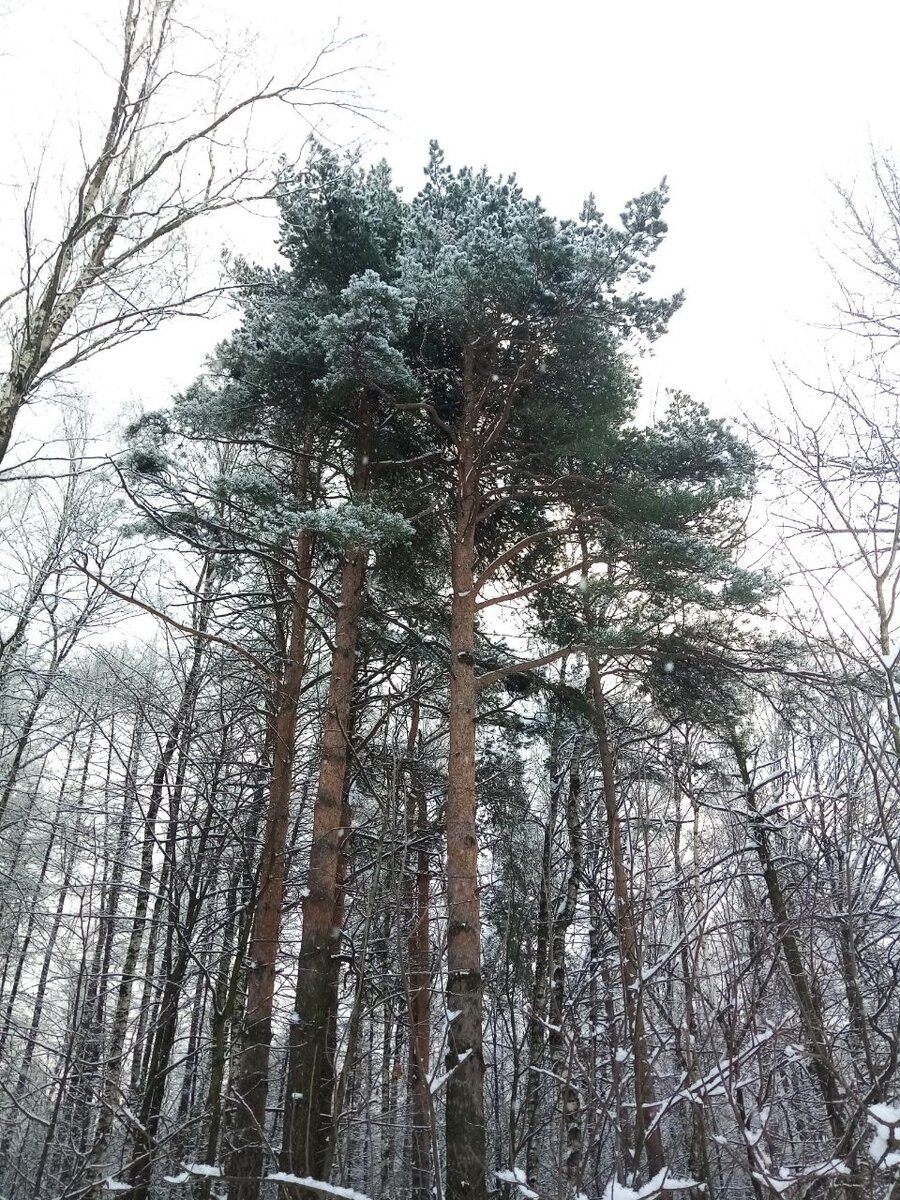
{"points": [[425, 771]]}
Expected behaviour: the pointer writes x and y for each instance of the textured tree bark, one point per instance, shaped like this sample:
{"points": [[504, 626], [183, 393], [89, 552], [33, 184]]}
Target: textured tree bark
{"points": [[10, 403], [419, 967], [375, 901], [246, 1150], [309, 1125], [466, 1142], [308, 1105], [646, 1136]]}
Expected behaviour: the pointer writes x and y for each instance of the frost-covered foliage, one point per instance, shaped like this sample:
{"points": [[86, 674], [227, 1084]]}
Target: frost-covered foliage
{"points": [[479, 248], [250, 484], [360, 340], [355, 525]]}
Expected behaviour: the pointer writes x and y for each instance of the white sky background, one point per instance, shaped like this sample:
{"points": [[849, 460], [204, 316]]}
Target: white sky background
{"points": [[748, 110]]}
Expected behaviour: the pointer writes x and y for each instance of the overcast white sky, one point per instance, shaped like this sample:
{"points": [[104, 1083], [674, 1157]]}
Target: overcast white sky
{"points": [[747, 109]]}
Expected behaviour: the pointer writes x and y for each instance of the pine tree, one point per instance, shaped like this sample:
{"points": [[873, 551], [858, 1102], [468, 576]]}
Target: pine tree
{"points": [[430, 396], [521, 323]]}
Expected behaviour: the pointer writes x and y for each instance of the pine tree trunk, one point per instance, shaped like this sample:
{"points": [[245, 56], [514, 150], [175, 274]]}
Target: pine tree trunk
{"points": [[466, 1141], [340, 900], [308, 1105], [309, 1123], [247, 1134]]}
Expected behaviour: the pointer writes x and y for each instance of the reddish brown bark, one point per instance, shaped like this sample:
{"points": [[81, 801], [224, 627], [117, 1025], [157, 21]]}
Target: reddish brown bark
{"points": [[465, 1086], [247, 1140], [308, 1139], [311, 1066]]}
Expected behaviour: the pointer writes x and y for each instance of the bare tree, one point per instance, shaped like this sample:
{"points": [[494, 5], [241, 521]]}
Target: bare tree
{"points": [[175, 148]]}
